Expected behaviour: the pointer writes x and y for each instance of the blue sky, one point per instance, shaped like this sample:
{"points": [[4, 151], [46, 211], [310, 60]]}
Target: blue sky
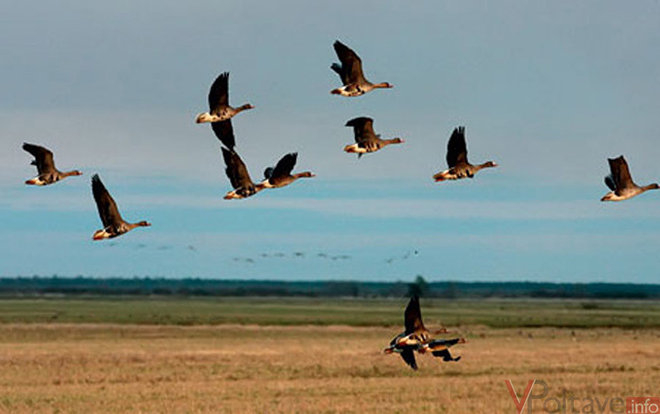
{"points": [[548, 90]]}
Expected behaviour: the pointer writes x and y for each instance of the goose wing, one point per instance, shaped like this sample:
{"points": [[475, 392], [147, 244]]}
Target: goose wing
{"points": [[105, 204], [219, 92], [43, 158], [235, 169], [456, 148], [363, 128], [620, 173], [409, 357], [351, 65], [225, 133], [284, 166], [609, 182], [413, 317]]}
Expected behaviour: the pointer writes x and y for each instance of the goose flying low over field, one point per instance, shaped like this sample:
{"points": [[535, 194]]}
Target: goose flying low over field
{"points": [[417, 338], [219, 108], [350, 72], [280, 175], [43, 160], [621, 183], [366, 139], [457, 161], [238, 177], [113, 224]]}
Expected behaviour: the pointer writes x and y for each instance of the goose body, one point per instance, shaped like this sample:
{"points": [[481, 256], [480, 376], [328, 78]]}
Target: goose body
{"points": [[280, 175], [43, 160], [366, 139], [350, 73], [238, 177], [457, 161], [621, 183], [219, 108], [113, 224], [416, 337]]}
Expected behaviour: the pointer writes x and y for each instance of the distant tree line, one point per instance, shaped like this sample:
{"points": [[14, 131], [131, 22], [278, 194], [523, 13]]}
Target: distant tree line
{"points": [[17, 286]]}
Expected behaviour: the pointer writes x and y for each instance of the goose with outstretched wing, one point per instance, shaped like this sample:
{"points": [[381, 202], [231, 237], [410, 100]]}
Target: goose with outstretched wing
{"points": [[350, 73], [280, 175], [459, 166], [46, 171], [113, 224], [621, 183], [366, 140], [219, 108], [416, 337]]}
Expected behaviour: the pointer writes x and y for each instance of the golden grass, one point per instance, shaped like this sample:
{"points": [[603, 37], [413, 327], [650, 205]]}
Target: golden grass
{"points": [[128, 368]]}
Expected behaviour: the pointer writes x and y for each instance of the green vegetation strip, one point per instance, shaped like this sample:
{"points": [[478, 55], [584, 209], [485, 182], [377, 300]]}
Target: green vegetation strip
{"points": [[500, 313]]}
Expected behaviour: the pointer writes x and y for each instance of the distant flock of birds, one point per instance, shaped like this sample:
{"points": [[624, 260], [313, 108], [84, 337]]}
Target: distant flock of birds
{"points": [[415, 337]]}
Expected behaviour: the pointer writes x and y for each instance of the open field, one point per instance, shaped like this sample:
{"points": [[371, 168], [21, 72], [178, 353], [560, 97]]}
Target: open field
{"points": [[496, 313], [124, 367]]}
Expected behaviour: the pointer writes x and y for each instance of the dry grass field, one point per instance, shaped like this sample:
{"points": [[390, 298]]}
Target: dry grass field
{"points": [[99, 367]]}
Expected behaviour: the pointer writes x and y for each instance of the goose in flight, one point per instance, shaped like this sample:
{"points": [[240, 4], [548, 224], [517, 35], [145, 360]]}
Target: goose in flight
{"points": [[238, 177], [366, 139], [350, 72], [621, 183], [280, 175], [416, 337], [219, 108], [43, 160], [113, 224], [459, 167]]}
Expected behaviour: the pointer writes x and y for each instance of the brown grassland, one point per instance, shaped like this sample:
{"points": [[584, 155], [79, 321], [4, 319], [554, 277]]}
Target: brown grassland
{"points": [[110, 367]]}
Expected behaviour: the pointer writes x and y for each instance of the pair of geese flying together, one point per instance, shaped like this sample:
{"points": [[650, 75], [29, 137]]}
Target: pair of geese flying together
{"points": [[416, 337], [355, 84], [219, 115], [113, 224]]}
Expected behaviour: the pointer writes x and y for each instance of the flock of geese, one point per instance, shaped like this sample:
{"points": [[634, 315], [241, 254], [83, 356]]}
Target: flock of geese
{"points": [[366, 140], [415, 337]]}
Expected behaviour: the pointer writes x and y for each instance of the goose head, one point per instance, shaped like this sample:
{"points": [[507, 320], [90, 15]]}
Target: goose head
{"points": [[385, 85]]}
